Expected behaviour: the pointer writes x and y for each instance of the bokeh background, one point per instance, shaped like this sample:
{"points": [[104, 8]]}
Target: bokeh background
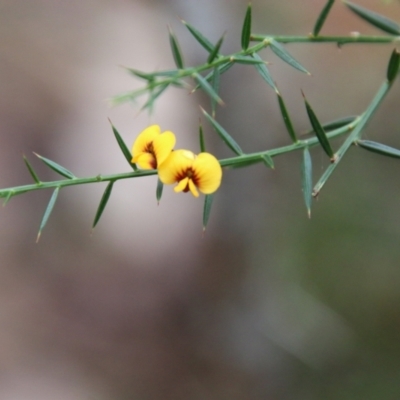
{"points": [[268, 304]]}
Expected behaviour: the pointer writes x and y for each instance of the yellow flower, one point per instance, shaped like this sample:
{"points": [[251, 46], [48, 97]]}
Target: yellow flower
{"points": [[191, 172], [152, 147]]}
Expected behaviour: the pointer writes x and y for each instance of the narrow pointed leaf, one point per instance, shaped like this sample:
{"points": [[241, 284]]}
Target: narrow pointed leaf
{"points": [[199, 37], [319, 131], [159, 190], [286, 118], [246, 29], [336, 124], [377, 20], [7, 199], [215, 51], [322, 17], [103, 203], [208, 199], [246, 60], [176, 50], [306, 179], [125, 151], [264, 71], [393, 66], [284, 55], [56, 167], [140, 74], [268, 161], [201, 137], [221, 69], [207, 88], [379, 148], [215, 85], [225, 136], [153, 96], [48, 211], [127, 96], [31, 171], [168, 73]]}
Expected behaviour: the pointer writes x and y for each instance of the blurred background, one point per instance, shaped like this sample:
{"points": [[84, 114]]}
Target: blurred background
{"points": [[268, 304]]}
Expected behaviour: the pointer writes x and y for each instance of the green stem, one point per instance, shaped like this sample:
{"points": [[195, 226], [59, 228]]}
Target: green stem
{"points": [[9, 192], [300, 144], [264, 41], [227, 162], [327, 39], [365, 117]]}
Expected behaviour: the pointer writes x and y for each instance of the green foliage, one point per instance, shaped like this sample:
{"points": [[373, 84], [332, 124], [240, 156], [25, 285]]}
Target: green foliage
{"points": [[377, 20], [207, 77], [246, 30], [319, 131], [208, 200], [322, 17], [103, 203]]}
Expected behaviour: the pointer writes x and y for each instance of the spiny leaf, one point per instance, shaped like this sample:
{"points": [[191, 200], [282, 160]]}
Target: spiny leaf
{"points": [[286, 118], [199, 37], [140, 74], [168, 73], [393, 66], [225, 136], [31, 171], [154, 94], [215, 51], [103, 203], [159, 190], [263, 71], [284, 55], [221, 69], [48, 211], [306, 175], [246, 60], [319, 131], [125, 151], [322, 17], [246, 29], [377, 20], [127, 96], [268, 161], [207, 88], [208, 199], [201, 137], [8, 197], [56, 167], [215, 85], [379, 148], [337, 123], [176, 50]]}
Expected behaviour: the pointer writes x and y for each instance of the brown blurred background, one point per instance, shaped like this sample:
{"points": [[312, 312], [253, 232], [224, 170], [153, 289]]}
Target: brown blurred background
{"points": [[268, 304]]}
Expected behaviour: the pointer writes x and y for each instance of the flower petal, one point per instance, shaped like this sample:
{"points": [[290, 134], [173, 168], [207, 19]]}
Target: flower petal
{"points": [[163, 145], [192, 188], [208, 173], [174, 168], [145, 137], [181, 185], [146, 161]]}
